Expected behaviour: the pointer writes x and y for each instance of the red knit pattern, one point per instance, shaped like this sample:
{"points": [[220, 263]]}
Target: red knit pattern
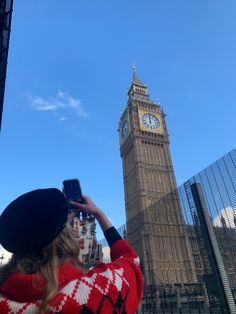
{"points": [[107, 288]]}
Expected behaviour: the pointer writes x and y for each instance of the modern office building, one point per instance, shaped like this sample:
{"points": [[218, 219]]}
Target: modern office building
{"points": [[213, 240]]}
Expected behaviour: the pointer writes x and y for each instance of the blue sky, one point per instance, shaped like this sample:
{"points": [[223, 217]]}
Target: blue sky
{"points": [[69, 70]]}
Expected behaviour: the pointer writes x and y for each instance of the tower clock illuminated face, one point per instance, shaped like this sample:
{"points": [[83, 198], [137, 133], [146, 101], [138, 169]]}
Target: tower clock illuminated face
{"points": [[125, 130], [150, 121]]}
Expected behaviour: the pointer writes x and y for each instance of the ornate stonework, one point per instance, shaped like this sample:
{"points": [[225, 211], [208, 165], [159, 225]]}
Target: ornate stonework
{"points": [[155, 224]]}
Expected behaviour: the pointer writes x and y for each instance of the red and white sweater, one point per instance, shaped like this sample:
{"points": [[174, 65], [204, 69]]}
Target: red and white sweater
{"points": [[107, 288]]}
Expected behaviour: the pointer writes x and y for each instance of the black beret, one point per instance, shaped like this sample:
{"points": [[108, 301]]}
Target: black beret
{"points": [[33, 220]]}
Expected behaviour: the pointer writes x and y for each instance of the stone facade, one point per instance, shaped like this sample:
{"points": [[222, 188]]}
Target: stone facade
{"points": [[155, 223]]}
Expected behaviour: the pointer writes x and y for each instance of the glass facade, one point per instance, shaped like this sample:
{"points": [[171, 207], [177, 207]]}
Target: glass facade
{"points": [[216, 242], [218, 182]]}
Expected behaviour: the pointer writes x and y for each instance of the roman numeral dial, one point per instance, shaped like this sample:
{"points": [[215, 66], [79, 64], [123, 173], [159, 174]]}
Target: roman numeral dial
{"points": [[150, 121]]}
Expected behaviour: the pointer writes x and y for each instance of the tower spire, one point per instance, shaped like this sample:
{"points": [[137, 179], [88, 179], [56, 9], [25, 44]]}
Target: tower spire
{"points": [[134, 71], [136, 80], [137, 86]]}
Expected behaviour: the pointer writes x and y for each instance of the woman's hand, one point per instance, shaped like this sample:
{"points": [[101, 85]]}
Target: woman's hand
{"points": [[90, 208]]}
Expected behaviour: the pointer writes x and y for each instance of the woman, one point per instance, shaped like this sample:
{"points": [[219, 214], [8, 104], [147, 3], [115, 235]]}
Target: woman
{"points": [[44, 274]]}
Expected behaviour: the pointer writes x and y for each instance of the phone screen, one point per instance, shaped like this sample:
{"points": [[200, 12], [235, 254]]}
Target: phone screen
{"points": [[72, 190]]}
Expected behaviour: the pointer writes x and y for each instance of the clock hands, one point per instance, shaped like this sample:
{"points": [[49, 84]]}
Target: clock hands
{"points": [[150, 121]]}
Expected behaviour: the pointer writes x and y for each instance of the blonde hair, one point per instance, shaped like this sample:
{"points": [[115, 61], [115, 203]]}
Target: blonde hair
{"points": [[63, 248]]}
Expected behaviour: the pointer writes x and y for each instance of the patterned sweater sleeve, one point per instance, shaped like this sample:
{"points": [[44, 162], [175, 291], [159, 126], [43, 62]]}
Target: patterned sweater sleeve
{"points": [[122, 278]]}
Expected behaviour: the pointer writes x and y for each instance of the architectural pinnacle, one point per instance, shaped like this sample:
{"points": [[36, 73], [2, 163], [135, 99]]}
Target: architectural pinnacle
{"points": [[137, 87], [135, 77], [134, 71]]}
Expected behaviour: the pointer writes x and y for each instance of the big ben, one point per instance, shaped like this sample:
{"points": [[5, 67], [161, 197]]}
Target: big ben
{"points": [[155, 223]]}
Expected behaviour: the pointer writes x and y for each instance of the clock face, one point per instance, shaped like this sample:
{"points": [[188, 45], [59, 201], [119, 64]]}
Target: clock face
{"points": [[151, 121], [125, 129]]}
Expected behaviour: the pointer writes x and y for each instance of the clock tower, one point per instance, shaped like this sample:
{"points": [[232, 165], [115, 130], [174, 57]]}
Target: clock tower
{"points": [[155, 223]]}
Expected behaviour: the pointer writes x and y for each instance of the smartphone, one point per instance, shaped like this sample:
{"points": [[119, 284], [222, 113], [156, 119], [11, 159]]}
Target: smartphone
{"points": [[73, 192]]}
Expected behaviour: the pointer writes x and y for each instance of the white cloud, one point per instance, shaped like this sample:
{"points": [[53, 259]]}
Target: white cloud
{"points": [[226, 216], [5, 254], [61, 102], [63, 118]]}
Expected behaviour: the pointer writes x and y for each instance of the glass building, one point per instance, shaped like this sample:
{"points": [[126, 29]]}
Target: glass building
{"points": [[214, 244]]}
